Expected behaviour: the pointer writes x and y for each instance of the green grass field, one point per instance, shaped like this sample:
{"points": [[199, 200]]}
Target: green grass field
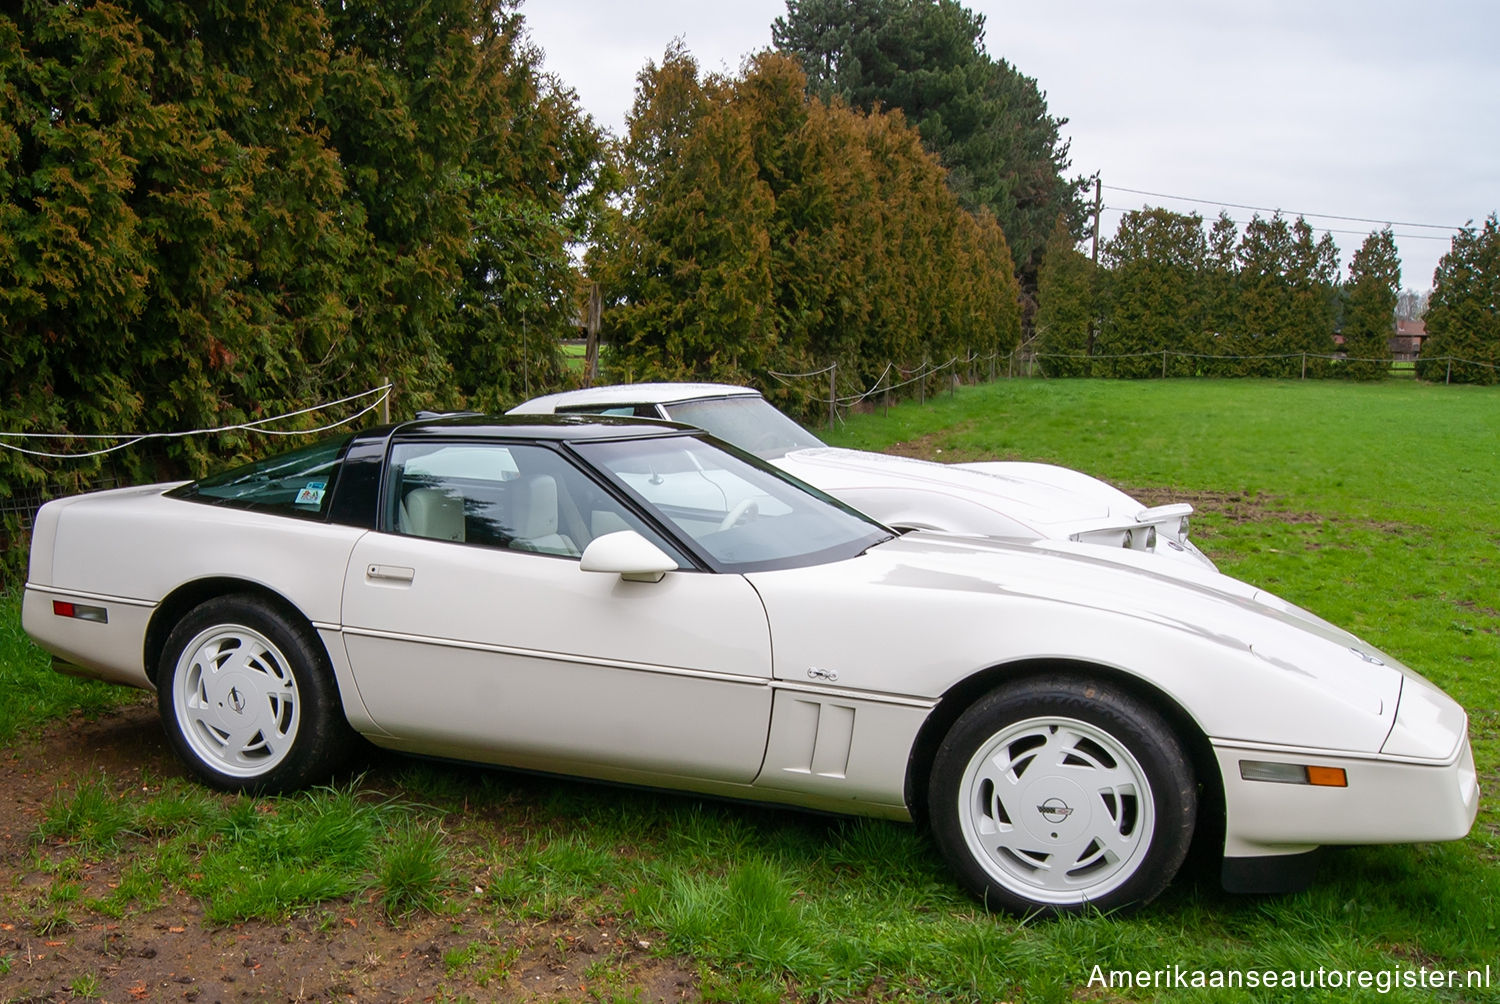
{"points": [[1372, 505]]}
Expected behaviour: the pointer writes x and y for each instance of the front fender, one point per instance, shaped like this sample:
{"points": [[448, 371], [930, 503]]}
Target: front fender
{"points": [[1240, 672]]}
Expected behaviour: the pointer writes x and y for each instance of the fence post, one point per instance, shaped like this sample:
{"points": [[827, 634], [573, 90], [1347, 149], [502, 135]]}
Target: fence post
{"points": [[922, 383], [1304, 365], [833, 393], [1449, 378], [1163, 364]]}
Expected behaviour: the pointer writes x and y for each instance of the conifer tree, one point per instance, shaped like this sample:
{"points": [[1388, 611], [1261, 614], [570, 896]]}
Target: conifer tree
{"points": [[988, 122], [1315, 294], [763, 232], [1266, 313], [1370, 313], [217, 213], [1155, 261], [1220, 326], [1463, 315], [1066, 312]]}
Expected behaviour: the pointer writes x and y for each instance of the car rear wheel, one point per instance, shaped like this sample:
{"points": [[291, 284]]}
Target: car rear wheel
{"points": [[248, 699], [1059, 795]]}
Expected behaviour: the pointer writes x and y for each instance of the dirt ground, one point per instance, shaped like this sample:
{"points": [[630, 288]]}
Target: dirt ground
{"points": [[171, 954]]}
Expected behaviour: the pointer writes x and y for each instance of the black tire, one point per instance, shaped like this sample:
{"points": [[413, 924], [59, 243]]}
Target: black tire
{"points": [[1053, 796], [248, 699]]}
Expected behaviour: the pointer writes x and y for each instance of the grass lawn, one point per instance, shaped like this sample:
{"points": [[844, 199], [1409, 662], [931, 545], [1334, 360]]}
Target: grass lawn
{"points": [[573, 356], [1372, 505]]}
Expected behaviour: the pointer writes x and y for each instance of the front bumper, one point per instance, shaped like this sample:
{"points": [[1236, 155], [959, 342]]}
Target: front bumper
{"points": [[1386, 801]]}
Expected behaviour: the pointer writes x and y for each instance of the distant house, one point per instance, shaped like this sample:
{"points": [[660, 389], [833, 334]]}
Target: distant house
{"points": [[1406, 343]]}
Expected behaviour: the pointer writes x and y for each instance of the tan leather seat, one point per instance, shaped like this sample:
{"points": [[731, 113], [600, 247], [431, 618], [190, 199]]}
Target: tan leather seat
{"points": [[431, 512], [533, 516]]}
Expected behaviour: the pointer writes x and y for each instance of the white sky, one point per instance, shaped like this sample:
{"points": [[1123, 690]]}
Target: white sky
{"points": [[1381, 109]]}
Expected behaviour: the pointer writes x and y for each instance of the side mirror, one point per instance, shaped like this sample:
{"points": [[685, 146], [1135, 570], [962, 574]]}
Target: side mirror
{"points": [[627, 554]]}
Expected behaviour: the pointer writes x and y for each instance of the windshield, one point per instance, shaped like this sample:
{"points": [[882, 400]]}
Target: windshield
{"points": [[742, 516], [298, 483], [751, 423]]}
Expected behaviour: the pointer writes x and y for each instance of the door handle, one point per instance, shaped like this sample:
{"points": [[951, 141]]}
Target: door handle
{"points": [[390, 573]]}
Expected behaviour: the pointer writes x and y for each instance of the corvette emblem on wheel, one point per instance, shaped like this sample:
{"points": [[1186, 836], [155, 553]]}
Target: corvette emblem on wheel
{"points": [[1055, 810]]}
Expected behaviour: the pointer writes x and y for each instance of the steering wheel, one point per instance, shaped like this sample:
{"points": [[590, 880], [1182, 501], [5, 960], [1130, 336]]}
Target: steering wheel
{"points": [[743, 509]]}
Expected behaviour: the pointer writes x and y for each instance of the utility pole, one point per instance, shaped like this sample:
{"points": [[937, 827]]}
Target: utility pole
{"points": [[591, 344], [1098, 208], [1094, 277]]}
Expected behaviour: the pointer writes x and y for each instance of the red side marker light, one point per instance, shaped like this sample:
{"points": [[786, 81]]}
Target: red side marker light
{"points": [[80, 611]]}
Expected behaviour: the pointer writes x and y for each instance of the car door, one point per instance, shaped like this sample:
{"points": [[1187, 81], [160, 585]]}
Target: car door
{"points": [[472, 631]]}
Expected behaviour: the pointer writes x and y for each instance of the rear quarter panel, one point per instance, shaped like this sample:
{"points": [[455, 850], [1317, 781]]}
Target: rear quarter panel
{"points": [[131, 548]]}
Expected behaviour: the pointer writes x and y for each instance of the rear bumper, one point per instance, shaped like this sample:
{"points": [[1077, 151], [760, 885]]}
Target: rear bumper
{"points": [[112, 650]]}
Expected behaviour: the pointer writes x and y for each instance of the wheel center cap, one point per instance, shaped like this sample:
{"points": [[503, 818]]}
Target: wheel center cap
{"points": [[1055, 810], [236, 700]]}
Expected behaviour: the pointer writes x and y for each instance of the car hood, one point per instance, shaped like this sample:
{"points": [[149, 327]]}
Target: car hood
{"points": [[1199, 601], [1033, 500], [1264, 668]]}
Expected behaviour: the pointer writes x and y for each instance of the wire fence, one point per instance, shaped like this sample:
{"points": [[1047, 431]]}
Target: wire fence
{"points": [[892, 378], [1024, 362], [18, 507], [1165, 354]]}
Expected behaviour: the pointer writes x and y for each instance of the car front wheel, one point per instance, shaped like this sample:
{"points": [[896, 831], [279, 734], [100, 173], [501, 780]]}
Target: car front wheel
{"points": [[248, 699], [1059, 795]]}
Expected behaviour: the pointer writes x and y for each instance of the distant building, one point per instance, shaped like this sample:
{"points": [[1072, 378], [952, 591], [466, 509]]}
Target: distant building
{"points": [[1406, 343]]}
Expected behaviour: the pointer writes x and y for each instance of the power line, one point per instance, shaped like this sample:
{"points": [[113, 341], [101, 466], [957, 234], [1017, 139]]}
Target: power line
{"points": [[1327, 230], [1268, 209]]}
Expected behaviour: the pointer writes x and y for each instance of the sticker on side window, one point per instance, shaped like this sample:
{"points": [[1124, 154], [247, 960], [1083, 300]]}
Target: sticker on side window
{"points": [[312, 494]]}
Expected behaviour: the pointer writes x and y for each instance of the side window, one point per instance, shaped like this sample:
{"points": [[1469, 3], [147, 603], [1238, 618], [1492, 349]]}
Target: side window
{"points": [[298, 483], [518, 497]]}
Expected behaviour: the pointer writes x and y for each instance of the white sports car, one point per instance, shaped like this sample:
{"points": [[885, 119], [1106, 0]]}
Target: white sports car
{"points": [[628, 601], [1010, 499]]}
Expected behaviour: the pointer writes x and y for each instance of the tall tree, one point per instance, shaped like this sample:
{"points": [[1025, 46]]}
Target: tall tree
{"points": [[1314, 281], [1370, 313], [215, 213], [1067, 308], [1220, 318], [987, 121], [534, 186], [761, 231], [688, 272], [1463, 314], [1155, 262]]}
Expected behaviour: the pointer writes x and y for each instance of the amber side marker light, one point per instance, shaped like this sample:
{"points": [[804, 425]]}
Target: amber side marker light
{"points": [[1293, 773], [80, 611]]}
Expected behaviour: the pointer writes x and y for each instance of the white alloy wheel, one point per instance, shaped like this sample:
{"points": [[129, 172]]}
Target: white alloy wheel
{"points": [[236, 699], [248, 697], [1059, 794], [1056, 810]]}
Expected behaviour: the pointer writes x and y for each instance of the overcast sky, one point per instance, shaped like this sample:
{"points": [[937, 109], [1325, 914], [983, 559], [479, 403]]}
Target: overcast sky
{"points": [[1385, 110]]}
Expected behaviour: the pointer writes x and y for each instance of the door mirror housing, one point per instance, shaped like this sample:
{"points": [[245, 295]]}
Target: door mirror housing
{"points": [[627, 554]]}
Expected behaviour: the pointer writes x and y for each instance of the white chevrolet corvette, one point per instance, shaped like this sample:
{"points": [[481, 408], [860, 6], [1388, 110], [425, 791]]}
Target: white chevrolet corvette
{"points": [[1011, 499], [628, 601]]}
